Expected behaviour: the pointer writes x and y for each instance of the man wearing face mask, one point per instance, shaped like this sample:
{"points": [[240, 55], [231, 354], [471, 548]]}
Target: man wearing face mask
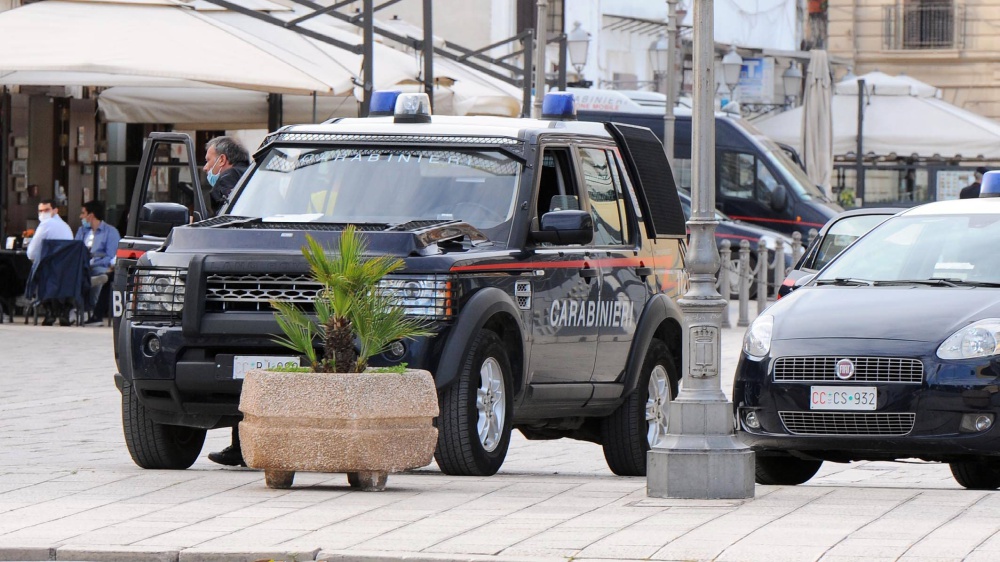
{"points": [[225, 162], [50, 227]]}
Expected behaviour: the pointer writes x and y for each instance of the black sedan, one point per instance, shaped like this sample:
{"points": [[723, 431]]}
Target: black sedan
{"points": [[891, 352], [735, 231], [833, 238]]}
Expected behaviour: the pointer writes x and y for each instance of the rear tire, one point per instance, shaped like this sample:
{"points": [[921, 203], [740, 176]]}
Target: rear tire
{"points": [[476, 412], [154, 445], [980, 474], [640, 421], [784, 470]]}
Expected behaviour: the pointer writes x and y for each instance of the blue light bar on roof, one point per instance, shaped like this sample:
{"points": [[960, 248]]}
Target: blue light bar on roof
{"points": [[559, 106], [383, 103], [990, 184]]}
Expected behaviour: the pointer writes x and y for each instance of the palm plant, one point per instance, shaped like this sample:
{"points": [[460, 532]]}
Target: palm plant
{"points": [[350, 304]]}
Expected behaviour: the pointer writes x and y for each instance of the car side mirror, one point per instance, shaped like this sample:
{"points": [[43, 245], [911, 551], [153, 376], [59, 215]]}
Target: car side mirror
{"points": [[565, 227], [158, 219], [779, 198]]}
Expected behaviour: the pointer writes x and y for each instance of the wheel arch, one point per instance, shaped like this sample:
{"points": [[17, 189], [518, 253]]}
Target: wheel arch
{"points": [[492, 309], [661, 319]]}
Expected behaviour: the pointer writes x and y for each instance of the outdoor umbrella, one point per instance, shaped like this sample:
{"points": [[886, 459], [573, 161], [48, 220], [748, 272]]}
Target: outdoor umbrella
{"points": [[152, 41], [817, 122]]}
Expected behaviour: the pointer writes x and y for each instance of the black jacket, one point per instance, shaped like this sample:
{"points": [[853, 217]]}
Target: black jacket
{"points": [[227, 181]]}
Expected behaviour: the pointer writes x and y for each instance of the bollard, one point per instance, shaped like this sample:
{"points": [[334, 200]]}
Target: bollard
{"points": [[797, 250], [744, 291], [762, 267], [725, 289], [779, 265], [813, 233]]}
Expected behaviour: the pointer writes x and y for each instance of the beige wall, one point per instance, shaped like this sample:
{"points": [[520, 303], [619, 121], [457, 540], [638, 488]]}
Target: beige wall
{"points": [[968, 76]]}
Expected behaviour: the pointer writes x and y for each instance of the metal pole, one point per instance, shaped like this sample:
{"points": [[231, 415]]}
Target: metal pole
{"points": [[668, 113], [700, 456], [429, 51], [526, 78], [314, 107], [369, 56], [563, 62], [275, 110], [859, 161], [541, 31]]}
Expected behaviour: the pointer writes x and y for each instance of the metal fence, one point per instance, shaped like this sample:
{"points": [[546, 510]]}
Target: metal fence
{"points": [[923, 24]]}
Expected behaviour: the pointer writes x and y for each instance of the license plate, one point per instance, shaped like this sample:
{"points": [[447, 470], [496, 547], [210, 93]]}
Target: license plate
{"points": [[842, 397], [243, 364]]}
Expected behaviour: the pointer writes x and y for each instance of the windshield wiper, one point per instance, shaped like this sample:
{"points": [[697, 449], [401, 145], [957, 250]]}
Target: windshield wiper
{"points": [[933, 282], [845, 281]]}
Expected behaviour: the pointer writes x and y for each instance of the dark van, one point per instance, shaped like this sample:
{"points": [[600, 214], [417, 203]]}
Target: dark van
{"points": [[755, 180]]}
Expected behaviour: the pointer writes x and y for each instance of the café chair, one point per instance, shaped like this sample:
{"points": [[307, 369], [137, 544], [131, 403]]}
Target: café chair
{"points": [[61, 274]]}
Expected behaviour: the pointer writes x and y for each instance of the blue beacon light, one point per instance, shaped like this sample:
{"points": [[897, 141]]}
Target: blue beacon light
{"points": [[383, 103], [559, 106], [990, 186]]}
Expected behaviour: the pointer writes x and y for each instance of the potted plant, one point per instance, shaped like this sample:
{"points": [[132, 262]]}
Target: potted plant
{"points": [[336, 414]]}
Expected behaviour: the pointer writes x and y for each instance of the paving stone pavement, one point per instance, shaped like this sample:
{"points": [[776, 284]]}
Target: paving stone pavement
{"points": [[69, 491]]}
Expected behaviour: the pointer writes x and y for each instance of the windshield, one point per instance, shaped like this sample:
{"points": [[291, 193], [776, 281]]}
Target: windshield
{"points": [[795, 176], [954, 247], [382, 186]]}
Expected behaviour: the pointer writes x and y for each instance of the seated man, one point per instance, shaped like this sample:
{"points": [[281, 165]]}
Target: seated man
{"points": [[50, 227], [102, 241]]}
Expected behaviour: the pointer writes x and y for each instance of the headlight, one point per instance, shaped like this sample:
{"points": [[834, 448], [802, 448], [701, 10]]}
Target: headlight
{"points": [[158, 291], [757, 341], [978, 339], [422, 296]]}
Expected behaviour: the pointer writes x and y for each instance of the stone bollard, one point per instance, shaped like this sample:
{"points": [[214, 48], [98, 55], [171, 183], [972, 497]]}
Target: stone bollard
{"points": [[744, 278], [813, 233], [762, 267], [726, 257], [797, 249]]}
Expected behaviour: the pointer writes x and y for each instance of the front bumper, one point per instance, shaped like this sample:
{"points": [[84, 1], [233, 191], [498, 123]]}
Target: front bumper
{"points": [[189, 380], [911, 420]]}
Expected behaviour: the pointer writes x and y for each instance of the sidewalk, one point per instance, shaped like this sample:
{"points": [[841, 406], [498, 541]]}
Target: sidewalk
{"points": [[69, 491]]}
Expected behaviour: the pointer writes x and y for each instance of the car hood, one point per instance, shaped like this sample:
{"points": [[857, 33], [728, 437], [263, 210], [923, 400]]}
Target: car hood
{"points": [[913, 313]]}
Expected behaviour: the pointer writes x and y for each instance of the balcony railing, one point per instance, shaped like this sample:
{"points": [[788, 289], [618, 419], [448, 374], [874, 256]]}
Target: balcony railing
{"points": [[927, 24]]}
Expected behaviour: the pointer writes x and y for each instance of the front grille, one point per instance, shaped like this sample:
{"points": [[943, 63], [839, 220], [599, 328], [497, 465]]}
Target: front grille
{"points": [[867, 369], [254, 292], [846, 423]]}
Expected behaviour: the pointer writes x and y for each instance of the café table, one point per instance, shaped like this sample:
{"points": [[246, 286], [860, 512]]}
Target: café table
{"points": [[14, 270]]}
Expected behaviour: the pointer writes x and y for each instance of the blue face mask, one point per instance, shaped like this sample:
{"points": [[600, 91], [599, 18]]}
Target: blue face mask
{"points": [[213, 177]]}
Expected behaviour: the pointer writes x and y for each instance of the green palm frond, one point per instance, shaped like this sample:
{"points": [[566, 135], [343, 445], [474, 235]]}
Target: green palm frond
{"points": [[379, 321], [299, 329]]}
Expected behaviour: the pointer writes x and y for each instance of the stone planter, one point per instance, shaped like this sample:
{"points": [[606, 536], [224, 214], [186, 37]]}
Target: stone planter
{"points": [[365, 424]]}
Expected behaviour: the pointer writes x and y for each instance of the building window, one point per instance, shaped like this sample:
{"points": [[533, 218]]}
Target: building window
{"points": [[924, 24]]}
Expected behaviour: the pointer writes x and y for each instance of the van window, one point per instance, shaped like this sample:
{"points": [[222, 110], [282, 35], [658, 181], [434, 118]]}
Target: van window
{"points": [[744, 176], [605, 197], [795, 176]]}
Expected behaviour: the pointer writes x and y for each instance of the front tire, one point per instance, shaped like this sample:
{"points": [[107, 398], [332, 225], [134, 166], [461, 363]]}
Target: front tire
{"points": [[475, 422], [784, 470], [980, 474], [154, 445], [641, 421]]}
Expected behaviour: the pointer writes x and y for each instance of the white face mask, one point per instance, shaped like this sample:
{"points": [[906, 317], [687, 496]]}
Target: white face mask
{"points": [[42, 217]]}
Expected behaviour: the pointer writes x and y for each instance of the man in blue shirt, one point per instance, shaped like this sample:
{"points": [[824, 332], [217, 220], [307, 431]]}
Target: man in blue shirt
{"points": [[102, 241]]}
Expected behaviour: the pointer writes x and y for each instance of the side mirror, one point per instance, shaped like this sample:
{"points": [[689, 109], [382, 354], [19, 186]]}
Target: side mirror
{"points": [[158, 219], [565, 227], [779, 198]]}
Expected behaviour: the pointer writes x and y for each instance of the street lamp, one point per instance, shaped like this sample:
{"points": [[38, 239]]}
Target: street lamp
{"points": [[791, 79], [659, 56], [732, 64], [578, 45]]}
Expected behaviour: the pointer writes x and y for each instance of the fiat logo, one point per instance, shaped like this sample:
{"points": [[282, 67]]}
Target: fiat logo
{"points": [[845, 369]]}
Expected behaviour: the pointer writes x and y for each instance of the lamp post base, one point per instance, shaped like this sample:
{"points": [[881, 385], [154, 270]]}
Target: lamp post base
{"points": [[700, 458]]}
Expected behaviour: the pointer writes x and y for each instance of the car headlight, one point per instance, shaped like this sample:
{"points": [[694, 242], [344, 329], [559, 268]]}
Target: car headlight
{"points": [[757, 341], [979, 339], [158, 291], [422, 296]]}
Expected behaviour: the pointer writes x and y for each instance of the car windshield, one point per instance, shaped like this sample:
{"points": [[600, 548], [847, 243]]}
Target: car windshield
{"points": [[842, 234], [382, 186], [906, 248], [794, 175]]}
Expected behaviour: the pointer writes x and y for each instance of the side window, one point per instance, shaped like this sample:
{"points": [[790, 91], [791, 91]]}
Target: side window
{"points": [[682, 171], [736, 174], [605, 197], [556, 191], [764, 188]]}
